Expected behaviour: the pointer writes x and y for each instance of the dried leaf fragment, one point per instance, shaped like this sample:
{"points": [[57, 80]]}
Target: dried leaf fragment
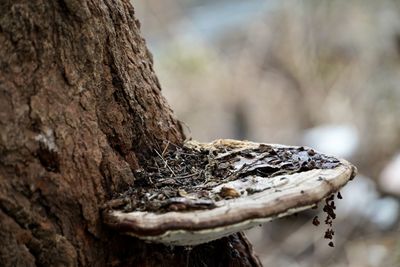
{"points": [[229, 192]]}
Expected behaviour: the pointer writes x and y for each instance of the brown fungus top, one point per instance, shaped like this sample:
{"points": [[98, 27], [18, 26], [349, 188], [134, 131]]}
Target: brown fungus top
{"points": [[211, 190]]}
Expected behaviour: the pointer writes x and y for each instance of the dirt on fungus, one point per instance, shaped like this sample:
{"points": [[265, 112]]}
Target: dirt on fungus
{"points": [[329, 209], [180, 178], [316, 221]]}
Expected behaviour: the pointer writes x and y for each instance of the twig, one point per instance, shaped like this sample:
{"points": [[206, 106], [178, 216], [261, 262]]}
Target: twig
{"points": [[165, 149], [165, 162], [186, 175]]}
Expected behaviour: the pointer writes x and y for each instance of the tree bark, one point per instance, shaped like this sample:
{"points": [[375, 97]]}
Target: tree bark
{"points": [[80, 110]]}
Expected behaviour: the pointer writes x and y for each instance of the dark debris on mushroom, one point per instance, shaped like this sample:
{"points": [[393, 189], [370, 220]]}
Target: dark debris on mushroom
{"points": [[183, 177], [202, 191]]}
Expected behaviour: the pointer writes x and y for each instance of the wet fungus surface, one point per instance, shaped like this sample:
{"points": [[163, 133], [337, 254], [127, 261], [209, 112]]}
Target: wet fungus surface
{"points": [[200, 192]]}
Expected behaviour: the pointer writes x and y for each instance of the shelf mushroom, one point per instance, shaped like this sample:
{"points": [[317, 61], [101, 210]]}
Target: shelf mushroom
{"points": [[200, 192]]}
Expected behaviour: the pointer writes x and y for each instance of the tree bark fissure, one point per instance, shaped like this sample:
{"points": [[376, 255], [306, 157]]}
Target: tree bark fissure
{"points": [[80, 110]]}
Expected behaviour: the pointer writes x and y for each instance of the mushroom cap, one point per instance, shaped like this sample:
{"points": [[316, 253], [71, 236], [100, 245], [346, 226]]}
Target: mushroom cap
{"points": [[240, 203]]}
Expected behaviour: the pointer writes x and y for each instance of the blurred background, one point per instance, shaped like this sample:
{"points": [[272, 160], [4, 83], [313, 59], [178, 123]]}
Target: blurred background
{"points": [[325, 74]]}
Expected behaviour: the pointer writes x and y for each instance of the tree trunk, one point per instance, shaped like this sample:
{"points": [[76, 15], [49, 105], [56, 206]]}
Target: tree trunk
{"points": [[80, 110]]}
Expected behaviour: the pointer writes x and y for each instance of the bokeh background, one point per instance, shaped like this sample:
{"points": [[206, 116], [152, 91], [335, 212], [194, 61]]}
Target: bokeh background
{"points": [[320, 73]]}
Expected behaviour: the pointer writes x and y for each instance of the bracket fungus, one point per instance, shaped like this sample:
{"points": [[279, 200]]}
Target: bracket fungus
{"points": [[203, 191]]}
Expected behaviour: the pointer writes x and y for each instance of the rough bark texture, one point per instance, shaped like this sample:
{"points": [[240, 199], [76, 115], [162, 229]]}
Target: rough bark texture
{"points": [[80, 109]]}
